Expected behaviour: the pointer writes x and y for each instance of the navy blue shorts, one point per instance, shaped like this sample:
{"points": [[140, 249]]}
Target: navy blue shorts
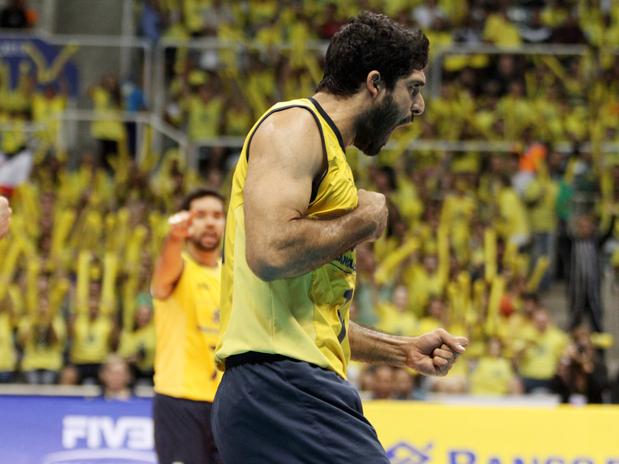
{"points": [[275, 410], [183, 431]]}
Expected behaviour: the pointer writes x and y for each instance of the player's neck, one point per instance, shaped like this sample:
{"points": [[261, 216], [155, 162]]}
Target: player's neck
{"points": [[204, 258], [343, 111]]}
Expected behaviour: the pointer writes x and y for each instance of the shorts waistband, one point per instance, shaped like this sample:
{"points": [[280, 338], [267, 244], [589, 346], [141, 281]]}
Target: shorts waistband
{"points": [[254, 357]]}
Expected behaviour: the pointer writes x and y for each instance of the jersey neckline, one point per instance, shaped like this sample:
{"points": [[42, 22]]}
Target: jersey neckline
{"points": [[327, 118]]}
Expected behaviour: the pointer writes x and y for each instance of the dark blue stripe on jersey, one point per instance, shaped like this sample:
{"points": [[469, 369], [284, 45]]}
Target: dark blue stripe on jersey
{"points": [[327, 118], [342, 335]]}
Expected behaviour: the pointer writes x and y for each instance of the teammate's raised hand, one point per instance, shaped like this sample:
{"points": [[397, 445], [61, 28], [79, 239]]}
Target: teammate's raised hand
{"points": [[180, 225]]}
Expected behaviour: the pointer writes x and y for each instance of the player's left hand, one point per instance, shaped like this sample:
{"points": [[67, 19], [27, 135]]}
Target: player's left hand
{"points": [[434, 353]]}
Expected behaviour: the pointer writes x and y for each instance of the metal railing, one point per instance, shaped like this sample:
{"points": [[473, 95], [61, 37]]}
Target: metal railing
{"points": [[67, 136], [28, 128], [435, 67], [154, 85], [461, 146], [141, 119], [153, 65]]}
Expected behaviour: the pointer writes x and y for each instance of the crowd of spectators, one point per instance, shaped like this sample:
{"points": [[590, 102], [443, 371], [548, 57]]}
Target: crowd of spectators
{"points": [[76, 267], [274, 53], [474, 247], [470, 21], [475, 239]]}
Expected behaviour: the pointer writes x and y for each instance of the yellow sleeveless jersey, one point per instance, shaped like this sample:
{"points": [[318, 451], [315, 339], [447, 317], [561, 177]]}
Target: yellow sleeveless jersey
{"points": [[304, 317], [187, 326]]}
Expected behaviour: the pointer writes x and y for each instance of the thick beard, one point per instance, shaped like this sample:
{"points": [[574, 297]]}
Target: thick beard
{"points": [[373, 127]]}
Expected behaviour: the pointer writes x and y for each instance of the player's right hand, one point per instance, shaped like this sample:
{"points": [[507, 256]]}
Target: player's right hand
{"points": [[434, 353], [5, 216], [180, 223], [373, 205]]}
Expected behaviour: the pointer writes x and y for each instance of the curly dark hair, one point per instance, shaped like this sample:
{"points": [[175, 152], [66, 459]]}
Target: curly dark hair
{"points": [[372, 41]]}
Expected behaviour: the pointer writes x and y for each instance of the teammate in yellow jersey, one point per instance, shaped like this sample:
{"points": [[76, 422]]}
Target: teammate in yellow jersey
{"points": [[186, 291], [294, 219], [5, 216]]}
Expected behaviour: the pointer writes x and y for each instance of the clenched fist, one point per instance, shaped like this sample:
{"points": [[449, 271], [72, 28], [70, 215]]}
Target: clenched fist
{"points": [[373, 206], [434, 353]]}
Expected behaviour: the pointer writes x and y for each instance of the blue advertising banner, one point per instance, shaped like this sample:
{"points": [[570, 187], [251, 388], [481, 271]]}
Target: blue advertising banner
{"points": [[49, 430], [49, 62]]}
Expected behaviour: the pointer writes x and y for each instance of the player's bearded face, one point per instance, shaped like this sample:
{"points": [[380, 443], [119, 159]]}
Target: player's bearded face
{"points": [[374, 126], [207, 241], [206, 234], [207, 228]]}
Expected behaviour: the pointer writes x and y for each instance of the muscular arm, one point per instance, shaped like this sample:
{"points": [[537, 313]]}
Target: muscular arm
{"points": [[286, 154], [168, 268], [371, 346], [431, 354]]}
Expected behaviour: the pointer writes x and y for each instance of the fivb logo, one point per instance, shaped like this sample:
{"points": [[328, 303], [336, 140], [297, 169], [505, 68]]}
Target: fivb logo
{"points": [[134, 433], [405, 453]]}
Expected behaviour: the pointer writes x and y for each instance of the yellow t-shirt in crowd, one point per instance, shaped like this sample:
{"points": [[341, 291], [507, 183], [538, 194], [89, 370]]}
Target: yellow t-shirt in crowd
{"points": [[521, 332], [514, 218], [13, 139], [91, 339], [428, 324], [45, 110], [139, 341], [391, 320], [421, 286], [238, 121], [39, 353], [515, 331], [187, 328], [542, 193], [109, 127], [501, 32], [456, 215], [193, 15], [541, 358], [408, 201], [491, 376], [203, 117]]}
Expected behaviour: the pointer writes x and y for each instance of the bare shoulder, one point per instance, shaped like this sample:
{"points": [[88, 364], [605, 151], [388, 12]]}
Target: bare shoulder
{"points": [[290, 135]]}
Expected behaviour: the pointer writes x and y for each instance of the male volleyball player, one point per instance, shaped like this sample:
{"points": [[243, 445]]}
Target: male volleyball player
{"points": [[5, 216], [294, 219], [186, 288]]}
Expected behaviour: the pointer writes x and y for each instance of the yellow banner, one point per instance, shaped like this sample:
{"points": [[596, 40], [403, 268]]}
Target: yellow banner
{"points": [[420, 433]]}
